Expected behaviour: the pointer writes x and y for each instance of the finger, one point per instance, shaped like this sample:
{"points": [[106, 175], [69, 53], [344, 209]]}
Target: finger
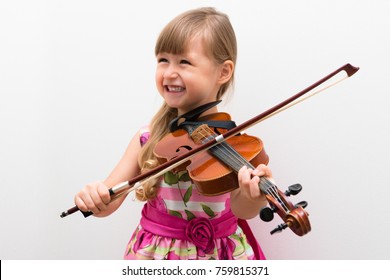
{"points": [[244, 175], [98, 204], [254, 186], [104, 193], [262, 171], [80, 204], [101, 196], [85, 202], [91, 198]]}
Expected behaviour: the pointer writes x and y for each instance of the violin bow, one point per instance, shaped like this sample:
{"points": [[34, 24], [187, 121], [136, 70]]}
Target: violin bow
{"points": [[136, 182]]}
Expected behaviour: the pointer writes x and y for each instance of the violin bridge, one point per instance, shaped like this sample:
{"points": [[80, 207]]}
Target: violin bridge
{"points": [[201, 134]]}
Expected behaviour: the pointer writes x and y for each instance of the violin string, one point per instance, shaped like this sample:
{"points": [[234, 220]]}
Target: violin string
{"points": [[265, 185], [233, 159]]}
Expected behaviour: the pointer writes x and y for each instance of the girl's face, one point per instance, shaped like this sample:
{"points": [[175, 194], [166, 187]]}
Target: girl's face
{"points": [[190, 79]]}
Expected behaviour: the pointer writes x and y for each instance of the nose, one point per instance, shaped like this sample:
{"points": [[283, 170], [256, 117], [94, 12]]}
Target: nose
{"points": [[170, 72]]}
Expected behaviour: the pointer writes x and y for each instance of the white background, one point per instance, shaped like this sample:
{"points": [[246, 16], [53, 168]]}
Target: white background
{"points": [[77, 81]]}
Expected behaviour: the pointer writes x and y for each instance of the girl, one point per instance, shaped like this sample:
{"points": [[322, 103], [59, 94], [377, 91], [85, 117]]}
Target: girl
{"points": [[196, 55]]}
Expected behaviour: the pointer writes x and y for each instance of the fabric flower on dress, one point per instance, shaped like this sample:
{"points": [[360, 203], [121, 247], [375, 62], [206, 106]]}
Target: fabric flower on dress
{"points": [[200, 231]]}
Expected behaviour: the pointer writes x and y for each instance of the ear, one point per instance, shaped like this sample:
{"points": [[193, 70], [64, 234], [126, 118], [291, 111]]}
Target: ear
{"points": [[227, 69]]}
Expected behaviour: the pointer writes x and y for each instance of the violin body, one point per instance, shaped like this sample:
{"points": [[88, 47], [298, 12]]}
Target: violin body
{"points": [[209, 174]]}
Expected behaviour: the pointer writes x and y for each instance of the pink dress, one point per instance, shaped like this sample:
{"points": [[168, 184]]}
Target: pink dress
{"points": [[181, 223]]}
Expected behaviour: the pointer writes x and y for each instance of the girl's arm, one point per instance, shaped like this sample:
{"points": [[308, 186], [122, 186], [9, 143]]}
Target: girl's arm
{"points": [[95, 196], [247, 200]]}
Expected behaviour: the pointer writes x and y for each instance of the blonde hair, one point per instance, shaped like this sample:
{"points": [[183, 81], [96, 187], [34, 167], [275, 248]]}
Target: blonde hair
{"points": [[220, 39]]}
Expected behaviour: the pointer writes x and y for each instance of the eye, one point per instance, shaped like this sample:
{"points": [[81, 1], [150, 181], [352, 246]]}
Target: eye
{"points": [[162, 60], [184, 61]]}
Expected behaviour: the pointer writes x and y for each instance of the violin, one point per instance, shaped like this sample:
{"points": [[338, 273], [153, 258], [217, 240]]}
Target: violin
{"points": [[215, 172], [211, 172], [294, 216]]}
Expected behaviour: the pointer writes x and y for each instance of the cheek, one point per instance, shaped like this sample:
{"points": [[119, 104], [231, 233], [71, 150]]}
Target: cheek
{"points": [[159, 81]]}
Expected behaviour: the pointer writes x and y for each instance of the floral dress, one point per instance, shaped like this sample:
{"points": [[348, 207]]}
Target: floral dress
{"points": [[178, 197]]}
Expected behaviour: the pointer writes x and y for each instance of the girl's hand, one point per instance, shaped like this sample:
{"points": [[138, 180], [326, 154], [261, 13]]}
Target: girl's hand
{"points": [[249, 179], [93, 197]]}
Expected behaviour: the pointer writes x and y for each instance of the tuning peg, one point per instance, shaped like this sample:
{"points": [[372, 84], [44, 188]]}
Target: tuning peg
{"points": [[267, 214], [302, 204], [279, 228], [293, 190]]}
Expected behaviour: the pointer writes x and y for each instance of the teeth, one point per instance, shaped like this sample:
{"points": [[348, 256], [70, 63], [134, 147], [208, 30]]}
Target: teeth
{"points": [[176, 89]]}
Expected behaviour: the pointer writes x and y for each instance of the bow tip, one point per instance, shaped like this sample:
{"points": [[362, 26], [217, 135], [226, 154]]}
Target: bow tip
{"points": [[350, 69]]}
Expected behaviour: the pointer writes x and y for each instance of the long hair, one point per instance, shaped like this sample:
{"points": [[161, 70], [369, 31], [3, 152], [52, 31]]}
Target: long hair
{"points": [[220, 40]]}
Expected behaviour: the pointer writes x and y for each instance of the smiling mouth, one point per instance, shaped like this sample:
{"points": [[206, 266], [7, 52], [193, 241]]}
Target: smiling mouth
{"points": [[174, 88]]}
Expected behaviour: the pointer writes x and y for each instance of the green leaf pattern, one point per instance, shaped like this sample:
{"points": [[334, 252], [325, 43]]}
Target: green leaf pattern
{"points": [[187, 195], [172, 179], [190, 215], [208, 210], [176, 213]]}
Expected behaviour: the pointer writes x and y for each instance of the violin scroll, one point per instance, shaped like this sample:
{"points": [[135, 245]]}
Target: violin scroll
{"points": [[294, 216]]}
